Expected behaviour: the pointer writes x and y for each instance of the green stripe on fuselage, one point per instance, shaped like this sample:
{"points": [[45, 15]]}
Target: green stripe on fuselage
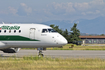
{"points": [[15, 38]]}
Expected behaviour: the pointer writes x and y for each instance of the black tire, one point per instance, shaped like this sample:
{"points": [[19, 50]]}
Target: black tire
{"points": [[41, 55]]}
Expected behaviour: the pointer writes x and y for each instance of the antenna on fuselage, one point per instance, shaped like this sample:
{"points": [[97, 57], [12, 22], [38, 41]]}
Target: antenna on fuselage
{"points": [[3, 22]]}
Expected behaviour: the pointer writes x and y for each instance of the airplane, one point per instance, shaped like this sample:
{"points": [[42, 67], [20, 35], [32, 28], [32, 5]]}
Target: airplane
{"points": [[40, 36]]}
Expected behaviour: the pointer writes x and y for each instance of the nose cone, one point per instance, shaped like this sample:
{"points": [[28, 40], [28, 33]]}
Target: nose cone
{"points": [[60, 40], [64, 41]]}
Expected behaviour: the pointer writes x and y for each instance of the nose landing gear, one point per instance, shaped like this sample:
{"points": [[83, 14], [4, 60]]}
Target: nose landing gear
{"points": [[40, 52]]}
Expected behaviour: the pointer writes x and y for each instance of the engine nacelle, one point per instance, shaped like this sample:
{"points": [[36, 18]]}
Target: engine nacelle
{"points": [[11, 50]]}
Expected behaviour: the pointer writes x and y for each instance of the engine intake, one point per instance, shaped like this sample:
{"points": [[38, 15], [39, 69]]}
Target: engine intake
{"points": [[11, 50]]}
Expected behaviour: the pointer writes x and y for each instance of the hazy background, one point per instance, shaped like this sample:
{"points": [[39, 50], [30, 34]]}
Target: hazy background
{"points": [[89, 14]]}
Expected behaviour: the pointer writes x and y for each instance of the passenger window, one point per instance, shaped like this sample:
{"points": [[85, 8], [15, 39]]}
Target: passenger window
{"points": [[14, 31], [19, 31], [44, 31], [9, 31], [4, 31]]}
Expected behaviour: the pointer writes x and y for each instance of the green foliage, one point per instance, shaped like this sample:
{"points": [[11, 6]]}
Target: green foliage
{"points": [[66, 34], [74, 35], [102, 35]]}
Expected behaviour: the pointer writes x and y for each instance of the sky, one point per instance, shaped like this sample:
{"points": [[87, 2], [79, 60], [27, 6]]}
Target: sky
{"points": [[46, 10]]}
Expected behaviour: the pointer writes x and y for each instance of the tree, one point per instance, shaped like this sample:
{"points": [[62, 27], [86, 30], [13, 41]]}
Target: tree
{"points": [[102, 35], [66, 34], [74, 35]]}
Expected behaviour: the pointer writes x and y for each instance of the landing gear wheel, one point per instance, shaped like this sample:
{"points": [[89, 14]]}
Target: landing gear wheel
{"points": [[40, 53]]}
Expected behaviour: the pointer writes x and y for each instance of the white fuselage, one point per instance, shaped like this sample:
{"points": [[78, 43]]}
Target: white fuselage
{"points": [[29, 36]]}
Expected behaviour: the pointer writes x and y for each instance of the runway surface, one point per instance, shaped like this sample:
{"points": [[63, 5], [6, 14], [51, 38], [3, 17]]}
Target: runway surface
{"points": [[58, 53]]}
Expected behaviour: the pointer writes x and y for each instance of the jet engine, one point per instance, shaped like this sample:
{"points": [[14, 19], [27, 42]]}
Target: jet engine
{"points": [[11, 50]]}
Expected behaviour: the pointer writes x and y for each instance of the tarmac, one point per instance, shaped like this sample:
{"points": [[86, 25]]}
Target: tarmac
{"points": [[58, 54]]}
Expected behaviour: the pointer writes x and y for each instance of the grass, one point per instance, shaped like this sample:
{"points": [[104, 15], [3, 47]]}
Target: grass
{"points": [[36, 63], [68, 47]]}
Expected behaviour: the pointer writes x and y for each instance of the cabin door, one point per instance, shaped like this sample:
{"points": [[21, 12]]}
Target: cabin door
{"points": [[32, 33]]}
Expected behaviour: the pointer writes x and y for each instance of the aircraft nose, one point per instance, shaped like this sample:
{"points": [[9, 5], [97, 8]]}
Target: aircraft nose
{"points": [[64, 41], [61, 40]]}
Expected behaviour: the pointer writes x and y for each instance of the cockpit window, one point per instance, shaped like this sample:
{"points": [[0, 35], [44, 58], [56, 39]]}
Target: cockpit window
{"points": [[44, 31], [51, 30], [48, 30]]}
